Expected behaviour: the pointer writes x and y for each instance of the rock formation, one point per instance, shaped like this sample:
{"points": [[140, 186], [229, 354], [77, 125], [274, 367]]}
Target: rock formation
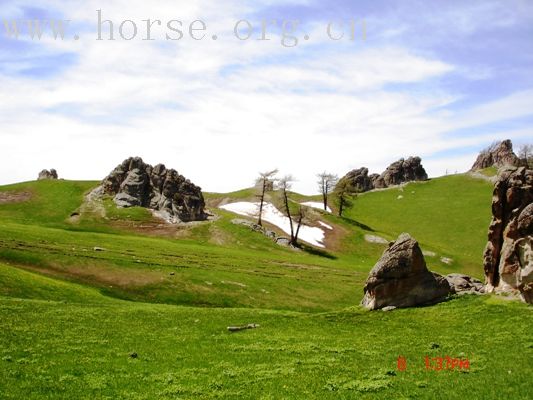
{"points": [[359, 181], [497, 155], [134, 183], [508, 257], [45, 174], [401, 171], [401, 279]]}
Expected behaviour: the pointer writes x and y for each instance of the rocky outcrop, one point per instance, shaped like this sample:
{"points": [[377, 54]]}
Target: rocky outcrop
{"points": [[401, 171], [497, 155], [172, 196], [358, 180], [508, 257], [47, 174], [401, 279]]}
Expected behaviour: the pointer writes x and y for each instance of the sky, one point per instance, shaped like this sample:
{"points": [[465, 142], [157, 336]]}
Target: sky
{"points": [[440, 79]]}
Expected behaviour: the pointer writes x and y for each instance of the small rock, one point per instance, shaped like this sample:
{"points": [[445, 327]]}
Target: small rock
{"points": [[375, 239], [172, 273], [133, 355], [446, 260], [388, 308], [98, 249]]}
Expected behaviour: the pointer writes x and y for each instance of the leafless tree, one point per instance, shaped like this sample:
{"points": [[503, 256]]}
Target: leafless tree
{"points": [[284, 185], [265, 183], [525, 153], [326, 183]]}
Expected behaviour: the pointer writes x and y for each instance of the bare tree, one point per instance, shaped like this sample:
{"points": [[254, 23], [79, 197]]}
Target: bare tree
{"points": [[326, 183], [342, 192], [525, 153], [284, 186], [265, 183]]}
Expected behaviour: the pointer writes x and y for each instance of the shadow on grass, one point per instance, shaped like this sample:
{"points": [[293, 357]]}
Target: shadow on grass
{"points": [[317, 252], [358, 224]]}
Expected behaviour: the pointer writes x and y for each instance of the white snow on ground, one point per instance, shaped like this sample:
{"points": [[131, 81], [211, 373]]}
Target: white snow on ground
{"points": [[271, 214], [315, 204], [325, 225]]}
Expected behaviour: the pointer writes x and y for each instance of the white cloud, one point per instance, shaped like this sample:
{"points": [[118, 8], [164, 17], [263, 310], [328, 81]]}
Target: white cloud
{"points": [[221, 111]]}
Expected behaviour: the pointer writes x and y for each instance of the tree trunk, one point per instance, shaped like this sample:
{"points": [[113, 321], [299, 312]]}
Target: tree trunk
{"points": [[300, 218], [288, 211], [341, 205], [259, 221]]}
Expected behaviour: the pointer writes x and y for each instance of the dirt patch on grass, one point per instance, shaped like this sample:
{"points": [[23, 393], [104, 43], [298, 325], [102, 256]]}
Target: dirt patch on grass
{"points": [[333, 237], [14, 197], [98, 275]]}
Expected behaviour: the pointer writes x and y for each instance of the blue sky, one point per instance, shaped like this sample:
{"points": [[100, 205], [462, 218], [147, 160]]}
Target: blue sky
{"points": [[439, 79]]}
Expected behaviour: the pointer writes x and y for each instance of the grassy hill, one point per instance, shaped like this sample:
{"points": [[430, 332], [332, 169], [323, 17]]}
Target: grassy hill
{"points": [[82, 288]]}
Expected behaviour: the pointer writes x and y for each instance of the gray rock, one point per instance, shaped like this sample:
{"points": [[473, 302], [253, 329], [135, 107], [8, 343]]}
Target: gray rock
{"points": [[46, 174], [508, 257], [283, 241], [401, 279], [464, 283], [134, 183]]}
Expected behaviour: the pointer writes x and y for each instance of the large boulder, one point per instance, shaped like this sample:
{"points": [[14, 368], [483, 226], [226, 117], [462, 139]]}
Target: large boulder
{"points": [[47, 174], [401, 279], [497, 155], [175, 198], [508, 257], [400, 172]]}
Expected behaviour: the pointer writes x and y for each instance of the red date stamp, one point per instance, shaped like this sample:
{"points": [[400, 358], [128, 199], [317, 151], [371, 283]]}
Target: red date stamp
{"points": [[437, 363]]}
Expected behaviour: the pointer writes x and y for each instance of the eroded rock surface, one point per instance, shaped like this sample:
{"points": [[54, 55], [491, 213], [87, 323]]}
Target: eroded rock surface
{"points": [[508, 257], [171, 195], [401, 279]]}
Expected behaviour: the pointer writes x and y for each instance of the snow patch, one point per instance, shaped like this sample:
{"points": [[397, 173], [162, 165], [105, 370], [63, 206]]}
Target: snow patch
{"points": [[316, 204], [325, 225], [311, 235]]}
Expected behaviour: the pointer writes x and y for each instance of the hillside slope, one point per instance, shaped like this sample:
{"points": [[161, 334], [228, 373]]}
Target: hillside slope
{"points": [[218, 263]]}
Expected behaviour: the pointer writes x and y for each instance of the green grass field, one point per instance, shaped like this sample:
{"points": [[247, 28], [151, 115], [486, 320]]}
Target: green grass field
{"points": [[72, 316]]}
